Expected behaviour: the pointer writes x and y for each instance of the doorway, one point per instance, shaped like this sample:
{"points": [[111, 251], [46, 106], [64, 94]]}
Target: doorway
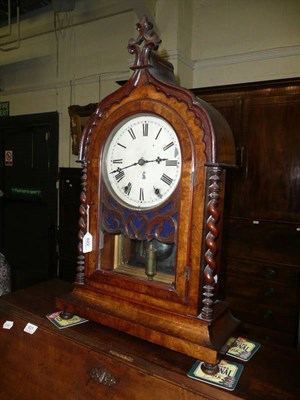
{"points": [[28, 202]]}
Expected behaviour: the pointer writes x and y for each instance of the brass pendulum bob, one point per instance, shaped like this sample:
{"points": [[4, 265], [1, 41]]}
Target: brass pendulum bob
{"points": [[150, 268]]}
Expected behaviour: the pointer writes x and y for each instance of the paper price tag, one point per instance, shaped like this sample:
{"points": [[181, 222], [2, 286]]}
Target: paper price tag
{"points": [[87, 243], [8, 325], [30, 328]]}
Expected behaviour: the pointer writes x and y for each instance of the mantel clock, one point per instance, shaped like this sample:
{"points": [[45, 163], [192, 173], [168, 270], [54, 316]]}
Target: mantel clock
{"points": [[153, 174]]}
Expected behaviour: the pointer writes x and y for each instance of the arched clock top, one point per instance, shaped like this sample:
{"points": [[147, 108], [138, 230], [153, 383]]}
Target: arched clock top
{"points": [[151, 71], [212, 130]]}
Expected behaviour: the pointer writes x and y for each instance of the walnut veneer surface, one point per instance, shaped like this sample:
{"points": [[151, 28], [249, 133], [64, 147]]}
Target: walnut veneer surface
{"points": [[70, 363]]}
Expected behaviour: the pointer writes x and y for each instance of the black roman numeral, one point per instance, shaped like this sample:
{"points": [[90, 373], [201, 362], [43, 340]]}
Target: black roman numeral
{"points": [[171, 163], [167, 146], [128, 188], [120, 176], [118, 161], [141, 194], [132, 133], [119, 144], [158, 134], [145, 129], [165, 178]]}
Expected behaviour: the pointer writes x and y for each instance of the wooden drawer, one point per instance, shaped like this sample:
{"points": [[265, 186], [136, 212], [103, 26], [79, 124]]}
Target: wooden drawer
{"points": [[272, 273], [272, 317], [267, 335], [271, 242], [264, 292], [265, 297]]}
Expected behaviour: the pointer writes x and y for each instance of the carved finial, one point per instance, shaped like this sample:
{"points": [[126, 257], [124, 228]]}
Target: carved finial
{"points": [[151, 39]]}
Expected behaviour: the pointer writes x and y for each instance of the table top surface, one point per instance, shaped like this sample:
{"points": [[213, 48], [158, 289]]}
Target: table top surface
{"points": [[273, 372]]}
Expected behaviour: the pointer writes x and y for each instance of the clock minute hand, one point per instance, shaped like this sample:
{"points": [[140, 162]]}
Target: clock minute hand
{"points": [[121, 169], [141, 161]]}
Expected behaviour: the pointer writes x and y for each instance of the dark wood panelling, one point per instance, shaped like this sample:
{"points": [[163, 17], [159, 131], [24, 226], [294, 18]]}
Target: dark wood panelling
{"points": [[271, 140], [261, 239]]}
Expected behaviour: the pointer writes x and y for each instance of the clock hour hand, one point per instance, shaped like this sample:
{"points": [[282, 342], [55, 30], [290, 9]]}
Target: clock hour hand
{"points": [[158, 160]]}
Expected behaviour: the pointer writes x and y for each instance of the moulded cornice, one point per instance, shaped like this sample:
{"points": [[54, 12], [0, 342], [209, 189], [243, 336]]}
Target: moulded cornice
{"points": [[242, 58]]}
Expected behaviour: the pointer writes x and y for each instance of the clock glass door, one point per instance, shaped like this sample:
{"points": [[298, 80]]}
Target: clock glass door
{"points": [[152, 260], [141, 173]]}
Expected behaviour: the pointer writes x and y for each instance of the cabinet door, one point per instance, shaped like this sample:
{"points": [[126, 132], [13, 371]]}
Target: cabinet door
{"points": [[271, 185], [265, 123]]}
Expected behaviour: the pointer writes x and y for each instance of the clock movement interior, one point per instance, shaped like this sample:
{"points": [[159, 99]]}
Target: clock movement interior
{"points": [[152, 260]]}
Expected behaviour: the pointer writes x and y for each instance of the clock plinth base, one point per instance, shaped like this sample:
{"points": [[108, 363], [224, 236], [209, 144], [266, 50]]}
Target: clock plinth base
{"points": [[183, 333]]}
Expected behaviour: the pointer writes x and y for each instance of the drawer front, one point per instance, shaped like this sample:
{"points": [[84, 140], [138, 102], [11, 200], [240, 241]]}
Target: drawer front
{"points": [[264, 315], [270, 273], [267, 335], [271, 242], [265, 297], [265, 292], [46, 365]]}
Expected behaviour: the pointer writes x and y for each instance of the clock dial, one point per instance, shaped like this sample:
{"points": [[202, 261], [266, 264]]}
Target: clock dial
{"points": [[142, 161]]}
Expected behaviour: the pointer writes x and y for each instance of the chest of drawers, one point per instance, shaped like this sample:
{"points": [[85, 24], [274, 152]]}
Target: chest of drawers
{"points": [[262, 279]]}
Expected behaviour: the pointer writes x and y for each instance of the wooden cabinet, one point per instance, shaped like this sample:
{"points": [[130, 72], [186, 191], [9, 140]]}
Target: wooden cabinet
{"points": [[90, 361], [262, 228]]}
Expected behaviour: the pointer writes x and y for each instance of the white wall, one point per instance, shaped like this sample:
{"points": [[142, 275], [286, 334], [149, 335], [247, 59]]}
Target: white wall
{"points": [[239, 41], [210, 42], [76, 62]]}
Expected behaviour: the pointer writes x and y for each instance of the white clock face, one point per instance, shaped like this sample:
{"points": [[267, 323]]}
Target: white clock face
{"points": [[142, 161]]}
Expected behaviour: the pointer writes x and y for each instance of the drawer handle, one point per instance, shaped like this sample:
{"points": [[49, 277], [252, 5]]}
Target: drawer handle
{"points": [[268, 314], [270, 273], [102, 377], [270, 292]]}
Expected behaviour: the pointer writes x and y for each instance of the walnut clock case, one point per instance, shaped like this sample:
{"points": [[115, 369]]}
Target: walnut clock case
{"points": [[154, 159]]}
